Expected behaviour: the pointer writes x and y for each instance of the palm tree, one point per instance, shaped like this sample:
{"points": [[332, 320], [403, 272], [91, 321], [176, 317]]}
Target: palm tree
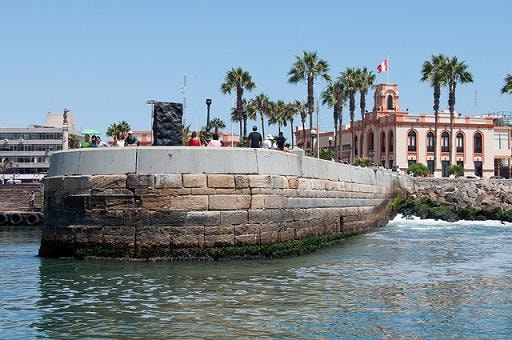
{"points": [[433, 72], [278, 114], [185, 130], [365, 82], [5, 166], [238, 80], [349, 79], [260, 104], [455, 71], [73, 141], [507, 88], [308, 67], [290, 112], [115, 128], [217, 124], [334, 96], [302, 108]]}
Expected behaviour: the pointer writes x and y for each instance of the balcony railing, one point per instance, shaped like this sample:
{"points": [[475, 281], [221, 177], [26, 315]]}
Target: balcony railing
{"points": [[445, 149], [411, 148], [430, 148], [460, 149]]}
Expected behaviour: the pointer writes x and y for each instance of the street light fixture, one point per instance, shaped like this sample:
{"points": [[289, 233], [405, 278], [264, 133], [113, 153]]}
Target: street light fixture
{"points": [[208, 103], [151, 102]]}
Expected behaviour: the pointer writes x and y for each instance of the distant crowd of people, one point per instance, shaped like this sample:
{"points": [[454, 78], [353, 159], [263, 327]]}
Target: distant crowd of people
{"points": [[120, 140], [254, 140]]}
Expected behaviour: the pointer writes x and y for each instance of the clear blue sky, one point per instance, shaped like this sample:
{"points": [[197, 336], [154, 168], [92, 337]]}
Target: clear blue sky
{"points": [[104, 59]]}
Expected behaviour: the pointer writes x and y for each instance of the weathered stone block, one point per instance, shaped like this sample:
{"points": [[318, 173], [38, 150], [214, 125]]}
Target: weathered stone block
{"points": [[247, 240], [287, 235], [233, 217], [167, 218], [229, 202], [246, 229], [101, 182], [219, 240], [293, 182], [279, 182], [74, 203], [189, 202], [89, 235], [135, 181], [260, 181], [192, 236], [100, 217], [168, 181], [194, 180], [203, 191], [219, 230], [52, 184], [204, 218], [119, 202], [260, 216], [76, 183], [241, 181], [221, 181], [258, 202], [269, 237], [275, 202], [136, 217], [224, 191]]}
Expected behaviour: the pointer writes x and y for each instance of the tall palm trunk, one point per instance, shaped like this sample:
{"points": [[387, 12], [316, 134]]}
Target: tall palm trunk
{"points": [[311, 103], [291, 130], [262, 125], [451, 105], [240, 110], [362, 105], [437, 96], [352, 106], [303, 133], [335, 131]]}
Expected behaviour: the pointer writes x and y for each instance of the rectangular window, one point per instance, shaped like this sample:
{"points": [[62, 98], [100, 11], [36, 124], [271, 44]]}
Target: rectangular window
{"points": [[430, 165]]}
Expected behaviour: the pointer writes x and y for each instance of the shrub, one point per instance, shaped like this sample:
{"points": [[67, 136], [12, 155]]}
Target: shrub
{"points": [[418, 169], [363, 162], [456, 170]]}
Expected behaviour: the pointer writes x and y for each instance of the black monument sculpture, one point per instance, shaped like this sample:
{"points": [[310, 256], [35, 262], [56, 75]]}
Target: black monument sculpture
{"points": [[167, 124]]}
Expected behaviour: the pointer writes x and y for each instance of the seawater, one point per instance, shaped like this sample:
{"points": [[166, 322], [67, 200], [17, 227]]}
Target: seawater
{"points": [[410, 279]]}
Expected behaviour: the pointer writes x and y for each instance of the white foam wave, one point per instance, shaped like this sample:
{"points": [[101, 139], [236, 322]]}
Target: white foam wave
{"points": [[418, 223]]}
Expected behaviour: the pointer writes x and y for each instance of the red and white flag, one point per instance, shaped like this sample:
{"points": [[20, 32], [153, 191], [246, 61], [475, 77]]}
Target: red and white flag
{"points": [[383, 67]]}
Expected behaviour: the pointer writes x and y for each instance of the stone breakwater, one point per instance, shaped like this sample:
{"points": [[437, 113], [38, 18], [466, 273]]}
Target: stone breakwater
{"points": [[463, 193], [459, 198], [199, 214]]}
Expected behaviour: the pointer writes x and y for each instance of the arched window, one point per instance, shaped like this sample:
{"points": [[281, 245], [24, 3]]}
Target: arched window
{"points": [[430, 141], [477, 143], [445, 142], [390, 102], [460, 142], [355, 146], [390, 141], [411, 141], [382, 142]]}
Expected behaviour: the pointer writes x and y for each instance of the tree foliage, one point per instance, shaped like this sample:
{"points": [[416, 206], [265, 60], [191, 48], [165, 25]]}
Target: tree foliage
{"points": [[115, 128], [418, 170], [507, 88]]}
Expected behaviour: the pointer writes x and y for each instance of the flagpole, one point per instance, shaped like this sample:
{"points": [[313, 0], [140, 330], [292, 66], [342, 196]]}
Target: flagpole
{"points": [[388, 68]]}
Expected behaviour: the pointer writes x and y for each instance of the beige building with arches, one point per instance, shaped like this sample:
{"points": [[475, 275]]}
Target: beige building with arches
{"points": [[396, 138]]}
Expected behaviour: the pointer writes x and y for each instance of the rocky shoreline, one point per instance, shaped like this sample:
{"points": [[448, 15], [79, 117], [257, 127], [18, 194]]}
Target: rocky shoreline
{"points": [[458, 199]]}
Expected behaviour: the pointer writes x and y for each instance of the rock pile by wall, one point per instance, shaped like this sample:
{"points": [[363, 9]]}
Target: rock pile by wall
{"points": [[465, 193]]}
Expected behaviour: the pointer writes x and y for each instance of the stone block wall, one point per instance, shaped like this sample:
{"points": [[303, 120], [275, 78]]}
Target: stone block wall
{"points": [[151, 215], [15, 197]]}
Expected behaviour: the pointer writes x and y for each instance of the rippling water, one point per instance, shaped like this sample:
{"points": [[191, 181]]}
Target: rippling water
{"points": [[409, 279]]}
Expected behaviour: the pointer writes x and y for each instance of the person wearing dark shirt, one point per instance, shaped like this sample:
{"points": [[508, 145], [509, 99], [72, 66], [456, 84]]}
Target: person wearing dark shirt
{"points": [[131, 140], [280, 140], [255, 138]]}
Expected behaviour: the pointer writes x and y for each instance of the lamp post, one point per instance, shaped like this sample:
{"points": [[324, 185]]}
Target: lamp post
{"points": [[151, 102], [208, 103]]}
